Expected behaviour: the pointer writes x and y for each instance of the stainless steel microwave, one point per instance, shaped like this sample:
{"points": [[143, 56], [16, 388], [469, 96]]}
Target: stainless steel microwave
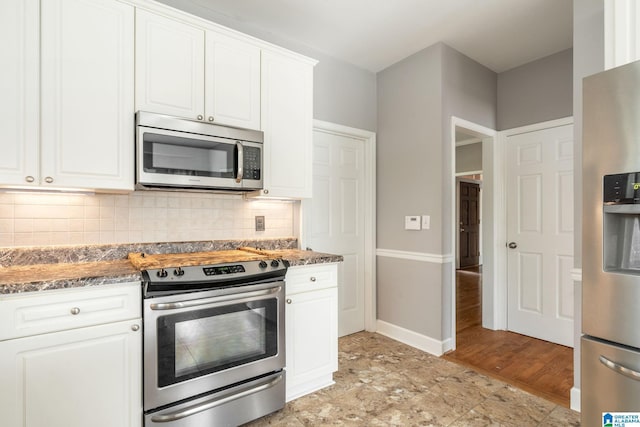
{"points": [[175, 153]]}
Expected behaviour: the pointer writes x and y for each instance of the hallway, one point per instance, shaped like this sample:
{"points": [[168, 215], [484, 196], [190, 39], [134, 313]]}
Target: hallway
{"points": [[539, 367]]}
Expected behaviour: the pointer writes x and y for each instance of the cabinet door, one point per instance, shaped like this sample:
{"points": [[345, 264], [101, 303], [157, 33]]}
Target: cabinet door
{"points": [[287, 122], [78, 378], [232, 82], [169, 66], [19, 86], [312, 340], [87, 94]]}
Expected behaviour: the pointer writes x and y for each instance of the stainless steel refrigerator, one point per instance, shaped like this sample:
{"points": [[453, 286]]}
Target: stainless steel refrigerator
{"points": [[610, 347]]}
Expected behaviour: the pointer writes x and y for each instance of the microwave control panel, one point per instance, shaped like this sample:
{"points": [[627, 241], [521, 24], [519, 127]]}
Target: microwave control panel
{"points": [[252, 163]]}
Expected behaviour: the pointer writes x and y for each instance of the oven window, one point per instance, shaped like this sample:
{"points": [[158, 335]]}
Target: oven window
{"points": [[187, 156], [203, 341]]}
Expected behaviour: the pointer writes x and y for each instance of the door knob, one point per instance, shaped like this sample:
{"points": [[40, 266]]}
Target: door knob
{"points": [[512, 245], [461, 229]]}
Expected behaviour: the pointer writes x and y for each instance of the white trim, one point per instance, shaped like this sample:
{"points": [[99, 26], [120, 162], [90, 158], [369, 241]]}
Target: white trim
{"points": [[621, 35], [576, 274], [459, 174], [414, 339], [575, 399], [369, 140], [537, 126], [470, 141], [415, 256]]}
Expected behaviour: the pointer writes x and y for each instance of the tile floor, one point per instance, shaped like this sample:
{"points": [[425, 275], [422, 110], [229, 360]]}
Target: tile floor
{"points": [[382, 382]]}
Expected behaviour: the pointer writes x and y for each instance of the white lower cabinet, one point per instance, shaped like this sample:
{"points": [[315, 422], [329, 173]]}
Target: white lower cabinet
{"points": [[311, 328], [88, 376]]}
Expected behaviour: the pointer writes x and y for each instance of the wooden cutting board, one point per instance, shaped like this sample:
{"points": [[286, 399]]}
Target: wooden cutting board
{"points": [[145, 261]]}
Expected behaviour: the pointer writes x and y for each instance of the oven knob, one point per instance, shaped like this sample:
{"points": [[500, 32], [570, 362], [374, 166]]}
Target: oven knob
{"points": [[275, 263], [262, 264], [162, 273], [178, 272]]}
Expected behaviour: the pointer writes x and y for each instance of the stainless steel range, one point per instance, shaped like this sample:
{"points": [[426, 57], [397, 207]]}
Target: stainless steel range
{"points": [[213, 343]]}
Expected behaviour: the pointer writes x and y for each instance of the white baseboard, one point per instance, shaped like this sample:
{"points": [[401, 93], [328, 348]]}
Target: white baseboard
{"points": [[414, 339], [575, 399]]}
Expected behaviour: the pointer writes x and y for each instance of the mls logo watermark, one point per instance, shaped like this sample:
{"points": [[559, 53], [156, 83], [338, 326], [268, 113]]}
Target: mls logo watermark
{"points": [[621, 419]]}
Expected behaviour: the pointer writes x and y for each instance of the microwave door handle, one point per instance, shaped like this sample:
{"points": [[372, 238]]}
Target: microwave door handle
{"points": [[240, 161]]}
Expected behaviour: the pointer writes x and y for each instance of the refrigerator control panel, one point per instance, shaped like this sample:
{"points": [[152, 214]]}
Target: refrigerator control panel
{"points": [[621, 188]]}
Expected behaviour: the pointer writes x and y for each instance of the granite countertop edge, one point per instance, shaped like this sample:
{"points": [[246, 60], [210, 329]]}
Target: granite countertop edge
{"points": [[101, 273]]}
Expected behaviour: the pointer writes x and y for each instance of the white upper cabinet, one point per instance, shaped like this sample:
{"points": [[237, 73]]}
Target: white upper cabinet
{"points": [[87, 94], [67, 83], [232, 82], [186, 71], [169, 66], [287, 122], [19, 86]]}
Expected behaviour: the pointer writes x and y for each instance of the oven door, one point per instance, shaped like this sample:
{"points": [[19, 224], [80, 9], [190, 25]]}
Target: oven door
{"points": [[198, 342]]}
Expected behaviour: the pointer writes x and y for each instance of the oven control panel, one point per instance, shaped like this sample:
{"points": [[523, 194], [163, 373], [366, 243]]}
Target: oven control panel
{"points": [[223, 269]]}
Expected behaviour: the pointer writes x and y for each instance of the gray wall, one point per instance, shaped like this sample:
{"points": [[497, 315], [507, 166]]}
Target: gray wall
{"points": [[536, 92], [469, 158], [343, 93], [416, 99], [588, 58]]}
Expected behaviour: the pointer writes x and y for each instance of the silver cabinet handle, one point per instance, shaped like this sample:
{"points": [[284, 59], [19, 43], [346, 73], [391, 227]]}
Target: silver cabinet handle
{"points": [[29, 178], [240, 161], [135, 328], [623, 370], [216, 401], [75, 310], [289, 301], [48, 180], [210, 118], [312, 278], [200, 117]]}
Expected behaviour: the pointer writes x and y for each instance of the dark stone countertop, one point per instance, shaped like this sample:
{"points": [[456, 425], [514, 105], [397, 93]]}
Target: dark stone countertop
{"points": [[71, 267]]}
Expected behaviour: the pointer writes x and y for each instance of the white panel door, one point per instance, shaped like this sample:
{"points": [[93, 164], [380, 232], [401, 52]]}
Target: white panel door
{"points": [[232, 82], [335, 223], [87, 94], [19, 89], [540, 234], [169, 66]]}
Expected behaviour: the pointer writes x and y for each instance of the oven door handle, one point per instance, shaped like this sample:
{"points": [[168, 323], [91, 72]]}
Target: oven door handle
{"points": [[221, 298], [217, 401]]}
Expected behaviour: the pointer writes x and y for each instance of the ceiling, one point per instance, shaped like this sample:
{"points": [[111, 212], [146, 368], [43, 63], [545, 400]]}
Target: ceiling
{"points": [[374, 34]]}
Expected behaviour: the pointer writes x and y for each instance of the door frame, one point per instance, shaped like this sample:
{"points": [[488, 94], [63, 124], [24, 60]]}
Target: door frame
{"points": [[491, 217], [501, 301], [368, 138]]}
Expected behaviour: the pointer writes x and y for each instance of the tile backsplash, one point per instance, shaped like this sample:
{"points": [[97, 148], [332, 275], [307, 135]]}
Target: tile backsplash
{"points": [[28, 219]]}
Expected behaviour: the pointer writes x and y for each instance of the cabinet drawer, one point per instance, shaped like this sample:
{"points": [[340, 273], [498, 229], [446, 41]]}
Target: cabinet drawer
{"points": [[49, 311], [311, 277]]}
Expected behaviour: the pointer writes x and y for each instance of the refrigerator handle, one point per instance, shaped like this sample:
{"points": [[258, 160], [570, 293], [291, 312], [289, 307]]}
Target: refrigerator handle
{"points": [[627, 372]]}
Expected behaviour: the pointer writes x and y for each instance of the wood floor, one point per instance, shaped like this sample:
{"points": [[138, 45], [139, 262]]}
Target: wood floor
{"points": [[539, 367]]}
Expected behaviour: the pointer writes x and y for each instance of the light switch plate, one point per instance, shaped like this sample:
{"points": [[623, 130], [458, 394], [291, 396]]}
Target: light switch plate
{"points": [[426, 222], [412, 222]]}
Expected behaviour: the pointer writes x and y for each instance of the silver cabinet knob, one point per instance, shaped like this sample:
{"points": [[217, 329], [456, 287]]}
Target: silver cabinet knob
{"points": [[512, 245], [210, 118], [75, 310], [200, 117], [312, 278], [135, 328], [289, 301], [29, 178], [48, 180]]}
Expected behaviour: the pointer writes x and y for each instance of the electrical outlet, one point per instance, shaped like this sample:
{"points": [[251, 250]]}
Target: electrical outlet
{"points": [[259, 222]]}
